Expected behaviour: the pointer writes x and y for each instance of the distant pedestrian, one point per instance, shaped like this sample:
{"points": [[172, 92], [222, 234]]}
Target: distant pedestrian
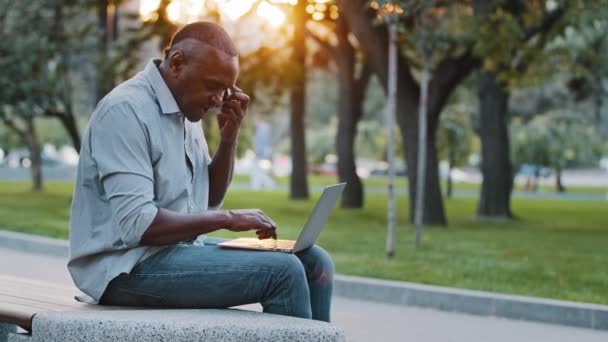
{"points": [[261, 170]]}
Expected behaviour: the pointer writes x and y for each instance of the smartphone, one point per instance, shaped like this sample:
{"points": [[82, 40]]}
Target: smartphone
{"points": [[227, 93]]}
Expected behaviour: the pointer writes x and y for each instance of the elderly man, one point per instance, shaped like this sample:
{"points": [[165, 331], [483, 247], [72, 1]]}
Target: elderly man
{"points": [[147, 190]]}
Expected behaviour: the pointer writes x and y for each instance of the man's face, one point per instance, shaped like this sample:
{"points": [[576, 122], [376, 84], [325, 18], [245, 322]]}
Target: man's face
{"points": [[202, 79]]}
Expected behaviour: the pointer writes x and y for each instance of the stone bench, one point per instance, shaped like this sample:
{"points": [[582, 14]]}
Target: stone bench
{"points": [[48, 313]]}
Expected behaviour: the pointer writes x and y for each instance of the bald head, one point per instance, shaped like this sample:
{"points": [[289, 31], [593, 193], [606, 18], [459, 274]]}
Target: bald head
{"points": [[205, 32], [199, 66]]}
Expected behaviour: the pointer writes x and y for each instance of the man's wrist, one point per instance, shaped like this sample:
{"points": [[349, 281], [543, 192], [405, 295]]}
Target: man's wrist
{"points": [[227, 219], [227, 143]]}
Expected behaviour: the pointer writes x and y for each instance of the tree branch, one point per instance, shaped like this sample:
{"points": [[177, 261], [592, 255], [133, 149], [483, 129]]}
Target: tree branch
{"points": [[4, 13], [374, 43], [450, 72], [544, 27], [366, 73], [323, 43], [546, 23], [11, 124], [361, 83]]}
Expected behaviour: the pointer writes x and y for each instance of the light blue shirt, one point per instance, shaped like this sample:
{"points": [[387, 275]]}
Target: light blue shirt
{"points": [[138, 154]]}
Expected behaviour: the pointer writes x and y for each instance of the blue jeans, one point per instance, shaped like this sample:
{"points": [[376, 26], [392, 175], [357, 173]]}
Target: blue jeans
{"points": [[196, 276]]}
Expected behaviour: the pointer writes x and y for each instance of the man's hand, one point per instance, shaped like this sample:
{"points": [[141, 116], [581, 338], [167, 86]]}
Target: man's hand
{"points": [[252, 219], [232, 112]]}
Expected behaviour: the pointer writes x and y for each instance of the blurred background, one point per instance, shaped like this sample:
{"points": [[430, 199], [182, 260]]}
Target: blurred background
{"points": [[512, 92]]}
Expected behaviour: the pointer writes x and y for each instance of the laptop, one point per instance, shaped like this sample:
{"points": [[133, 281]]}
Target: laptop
{"points": [[308, 235]]}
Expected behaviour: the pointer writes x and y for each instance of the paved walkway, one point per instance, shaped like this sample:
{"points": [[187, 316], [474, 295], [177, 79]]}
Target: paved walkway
{"points": [[362, 320]]}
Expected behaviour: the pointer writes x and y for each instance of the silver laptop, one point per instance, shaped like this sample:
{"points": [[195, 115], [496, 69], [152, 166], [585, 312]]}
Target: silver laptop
{"points": [[309, 234]]}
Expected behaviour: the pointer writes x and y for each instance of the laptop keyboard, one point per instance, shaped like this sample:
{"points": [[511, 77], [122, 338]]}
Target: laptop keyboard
{"points": [[272, 243]]}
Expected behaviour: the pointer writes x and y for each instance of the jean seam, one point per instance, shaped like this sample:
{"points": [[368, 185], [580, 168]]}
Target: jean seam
{"points": [[136, 292], [198, 273], [286, 301]]}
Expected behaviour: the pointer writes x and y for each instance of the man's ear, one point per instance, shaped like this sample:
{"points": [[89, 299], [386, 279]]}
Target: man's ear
{"points": [[177, 60]]}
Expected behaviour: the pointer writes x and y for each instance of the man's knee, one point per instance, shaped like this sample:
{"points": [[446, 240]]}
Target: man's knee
{"points": [[323, 258], [292, 267], [318, 264]]}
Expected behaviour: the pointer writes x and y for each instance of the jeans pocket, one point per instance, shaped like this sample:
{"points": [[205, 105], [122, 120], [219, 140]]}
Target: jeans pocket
{"points": [[117, 295]]}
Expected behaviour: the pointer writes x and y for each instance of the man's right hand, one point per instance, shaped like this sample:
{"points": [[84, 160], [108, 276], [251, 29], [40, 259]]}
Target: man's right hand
{"points": [[251, 219]]}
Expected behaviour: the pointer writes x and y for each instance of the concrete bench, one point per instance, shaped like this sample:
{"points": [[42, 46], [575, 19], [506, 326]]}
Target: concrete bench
{"points": [[48, 313]]}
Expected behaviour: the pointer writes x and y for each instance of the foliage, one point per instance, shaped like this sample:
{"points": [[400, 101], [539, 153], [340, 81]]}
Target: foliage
{"points": [[517, 38], [36, 50], [372, 140], [53, 50], [428, 29], [30, 54], [118, 40], [8, 139], [583, 48], [556, 140], [455, 135]]}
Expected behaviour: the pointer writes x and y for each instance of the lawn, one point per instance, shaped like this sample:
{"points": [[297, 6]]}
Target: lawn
{"points": [[557, 248], [381, 182]]}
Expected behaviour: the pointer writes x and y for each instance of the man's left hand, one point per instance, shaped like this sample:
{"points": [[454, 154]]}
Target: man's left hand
{"points": [[233, 110]]}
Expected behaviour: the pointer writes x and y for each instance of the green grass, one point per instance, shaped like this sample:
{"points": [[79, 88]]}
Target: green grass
{"points": [[380, 181], [557, 248]]}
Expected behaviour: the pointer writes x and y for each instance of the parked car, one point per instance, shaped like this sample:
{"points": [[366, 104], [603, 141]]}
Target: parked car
{"points": [[382, 169], [21, 158]]}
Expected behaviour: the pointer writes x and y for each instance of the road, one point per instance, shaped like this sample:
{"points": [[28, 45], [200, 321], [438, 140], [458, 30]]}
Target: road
{"points": [[362, 320]]}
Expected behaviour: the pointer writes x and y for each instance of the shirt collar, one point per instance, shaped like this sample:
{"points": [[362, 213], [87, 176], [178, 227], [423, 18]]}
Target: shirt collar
{"points": [[163, 94]]}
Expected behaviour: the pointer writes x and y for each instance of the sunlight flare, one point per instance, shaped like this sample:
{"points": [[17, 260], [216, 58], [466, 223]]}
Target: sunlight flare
{"points": [[147, 9], [185, 11], [234, 9], [272, 14]]}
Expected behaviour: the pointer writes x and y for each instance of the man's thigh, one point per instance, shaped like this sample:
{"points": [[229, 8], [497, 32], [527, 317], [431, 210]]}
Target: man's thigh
{"points": [[199, 276]]}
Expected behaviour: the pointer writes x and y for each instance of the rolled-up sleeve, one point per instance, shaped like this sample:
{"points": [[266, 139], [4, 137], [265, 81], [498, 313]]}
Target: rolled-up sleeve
{"points": [[120, 147]]}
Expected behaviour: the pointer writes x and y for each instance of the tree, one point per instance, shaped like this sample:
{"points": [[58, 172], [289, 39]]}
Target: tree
{"points": [[33, 54], [556, 139], [54, 89], [446, 73], [353, 77], [513, 33]]}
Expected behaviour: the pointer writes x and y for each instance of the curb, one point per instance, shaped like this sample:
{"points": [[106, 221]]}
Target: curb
{"points": [[34, 244], [591, 316]]}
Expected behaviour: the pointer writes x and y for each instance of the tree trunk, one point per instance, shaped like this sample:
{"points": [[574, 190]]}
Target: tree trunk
{"points": [[422, 146], [350, 110], [102, 23], [34, 147], [434, 213], [598, 104], [107, 21], [67, 93], [69, 123], [496, 168], [450, 167], [299, 180], [559, 186], [597, 88]]}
